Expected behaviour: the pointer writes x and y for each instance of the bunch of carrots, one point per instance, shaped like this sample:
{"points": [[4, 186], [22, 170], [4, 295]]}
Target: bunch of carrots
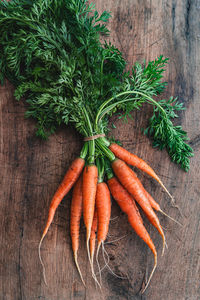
{"points": [[53, 52], [92, 198]]}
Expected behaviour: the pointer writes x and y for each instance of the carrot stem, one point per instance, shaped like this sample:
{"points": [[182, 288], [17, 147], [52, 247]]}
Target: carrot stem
{"points": [[92, 142], [108, 153], [101, 111], [84, 151]]}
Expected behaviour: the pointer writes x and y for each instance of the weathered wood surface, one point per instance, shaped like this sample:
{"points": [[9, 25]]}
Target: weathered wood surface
{"points": [[31, 170]]}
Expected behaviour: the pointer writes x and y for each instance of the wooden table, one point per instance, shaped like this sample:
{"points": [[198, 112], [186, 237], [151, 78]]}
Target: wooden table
{"points": [[31, 169]]}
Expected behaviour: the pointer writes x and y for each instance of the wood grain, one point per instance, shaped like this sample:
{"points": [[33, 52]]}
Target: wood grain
{"points": [[31, 169]]}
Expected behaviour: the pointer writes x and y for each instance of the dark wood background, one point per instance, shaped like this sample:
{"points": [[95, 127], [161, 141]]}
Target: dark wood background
{"points": [[31, 169]]}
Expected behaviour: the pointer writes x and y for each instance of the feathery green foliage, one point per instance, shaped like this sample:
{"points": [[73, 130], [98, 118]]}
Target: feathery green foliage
{"points": [[51, 51]]}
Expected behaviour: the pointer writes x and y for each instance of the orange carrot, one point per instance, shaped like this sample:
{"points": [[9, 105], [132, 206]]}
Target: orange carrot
{"points": [[135, 161], [127, 204], [133, 185], [70, 178], [90, 177], [75, 216], [92, 244], [154, 204], [103, 205], [93, 236]]}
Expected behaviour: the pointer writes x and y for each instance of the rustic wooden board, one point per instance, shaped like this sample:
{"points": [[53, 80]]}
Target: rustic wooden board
{"points": [[31, 169]]}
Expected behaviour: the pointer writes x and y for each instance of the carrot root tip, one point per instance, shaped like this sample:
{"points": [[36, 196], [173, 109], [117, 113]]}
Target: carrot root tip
{"points": [[172, 198], [87, 243], [166, 190], [41, 261], [107, 263], [164, 213], [97, 255], [164, 244], [154, 267], [116, 240], [93, 273], [91, 260], [78, 268]]}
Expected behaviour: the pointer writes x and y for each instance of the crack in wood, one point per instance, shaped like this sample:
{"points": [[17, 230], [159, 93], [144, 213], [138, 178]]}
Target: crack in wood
{"points": [[19, 263], [173, 15], [195, 142], [187, 18]]}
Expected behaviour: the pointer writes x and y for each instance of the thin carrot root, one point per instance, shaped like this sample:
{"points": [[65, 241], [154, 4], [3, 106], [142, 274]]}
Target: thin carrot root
{"points": [[91, 259], [97, 255], [114, 218], [92, 267], [40, 258], [164, 213], [93, 273], [107, 263], [88, 247], [164, 244], [166, 190], [154, 267], [169, 194], [116, 240], [78, 268]]}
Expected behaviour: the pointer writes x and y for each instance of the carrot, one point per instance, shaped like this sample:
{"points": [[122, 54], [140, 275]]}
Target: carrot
{"points": [[127, 204], [92, 244], [75, 216], [93, 236], [103, 205], [154, 204], [133, 185], [70, 178], [90, 177], [135, 161]]}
